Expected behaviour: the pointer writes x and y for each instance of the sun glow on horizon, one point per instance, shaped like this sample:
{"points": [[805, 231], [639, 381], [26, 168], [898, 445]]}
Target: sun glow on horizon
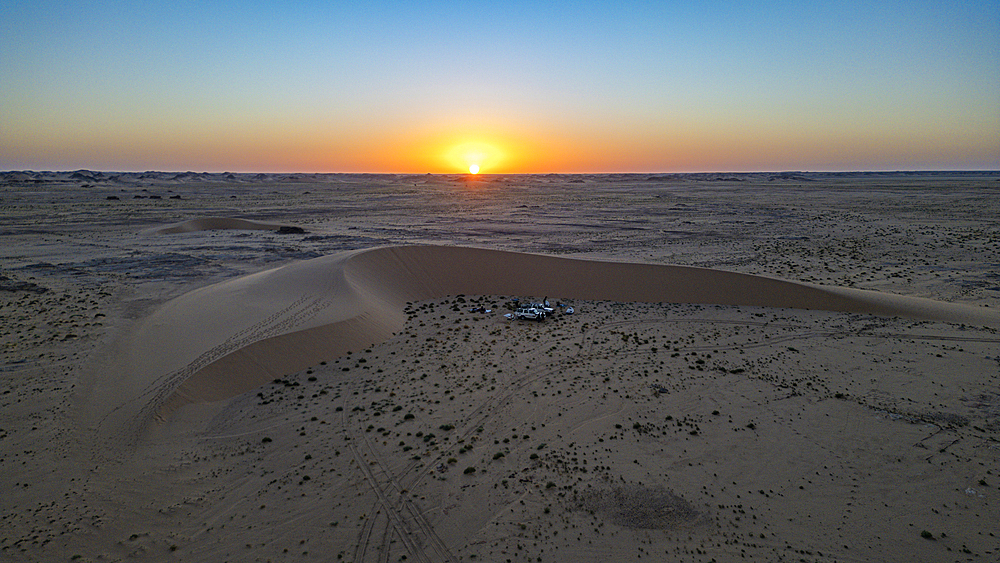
{"points": [[475, 156]]}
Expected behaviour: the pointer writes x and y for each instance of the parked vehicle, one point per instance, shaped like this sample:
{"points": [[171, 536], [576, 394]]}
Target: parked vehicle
{"points": [[543, 307], [530, 313]]}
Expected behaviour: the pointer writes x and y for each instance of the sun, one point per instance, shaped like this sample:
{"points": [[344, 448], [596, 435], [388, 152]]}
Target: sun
{"points": [[476, 157]]}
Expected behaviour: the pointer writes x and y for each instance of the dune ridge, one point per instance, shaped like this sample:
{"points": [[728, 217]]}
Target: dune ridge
{"points": [[224, 339], [215, 224]]}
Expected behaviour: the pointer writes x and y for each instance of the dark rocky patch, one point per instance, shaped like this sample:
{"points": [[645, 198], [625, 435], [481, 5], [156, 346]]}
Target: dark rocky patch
{"points": [[8, 284], [640, 507]]}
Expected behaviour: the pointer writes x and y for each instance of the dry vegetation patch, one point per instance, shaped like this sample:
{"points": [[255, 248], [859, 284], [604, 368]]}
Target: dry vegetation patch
{"points": [[640, 506]]}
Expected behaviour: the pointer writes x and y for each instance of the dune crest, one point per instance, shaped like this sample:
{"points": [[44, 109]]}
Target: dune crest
{"points": [[215, 224], [222, 340]]}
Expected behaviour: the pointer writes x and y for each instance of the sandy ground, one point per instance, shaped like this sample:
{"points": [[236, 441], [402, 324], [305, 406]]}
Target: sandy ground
{"points": [[181, 380]]}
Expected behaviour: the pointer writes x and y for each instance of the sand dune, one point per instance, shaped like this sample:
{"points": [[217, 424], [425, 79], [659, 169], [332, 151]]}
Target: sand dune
{"points": [[221, 340], [216, 223]]}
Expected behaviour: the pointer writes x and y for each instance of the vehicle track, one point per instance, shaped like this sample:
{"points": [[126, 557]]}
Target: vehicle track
{"points": [[410, 542], [471, 422], [152, 397], [404, 516], [416, 515], [364, 537]]}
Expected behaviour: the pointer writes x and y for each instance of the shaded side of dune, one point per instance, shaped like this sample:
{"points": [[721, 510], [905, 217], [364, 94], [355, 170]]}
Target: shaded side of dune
{"points": [[365, 305], [218, 223]]}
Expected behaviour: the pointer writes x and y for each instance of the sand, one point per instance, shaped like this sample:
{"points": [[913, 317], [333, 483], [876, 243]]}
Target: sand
{"points": [[216, 223], [180, 384]]}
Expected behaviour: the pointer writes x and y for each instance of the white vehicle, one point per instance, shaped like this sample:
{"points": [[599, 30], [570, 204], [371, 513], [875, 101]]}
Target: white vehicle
{"points": [[542, 307], [530, 313]]}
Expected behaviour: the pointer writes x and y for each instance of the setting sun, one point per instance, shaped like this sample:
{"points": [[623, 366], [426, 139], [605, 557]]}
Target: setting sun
{"points": [[474, 156]]}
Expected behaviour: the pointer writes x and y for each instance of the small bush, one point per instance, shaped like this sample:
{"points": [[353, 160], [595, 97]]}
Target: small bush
{"points": [[469, 470], [926, 535]]}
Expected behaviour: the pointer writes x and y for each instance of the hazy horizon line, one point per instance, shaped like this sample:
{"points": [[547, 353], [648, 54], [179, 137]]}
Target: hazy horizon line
{"points": [[618, 173]]}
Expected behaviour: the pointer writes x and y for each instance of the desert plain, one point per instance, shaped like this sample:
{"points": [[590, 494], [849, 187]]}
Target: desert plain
{"points": [[311, 367]]}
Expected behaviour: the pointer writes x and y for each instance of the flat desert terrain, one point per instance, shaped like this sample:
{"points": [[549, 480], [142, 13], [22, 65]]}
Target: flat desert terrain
{"points": [[307, 367]]}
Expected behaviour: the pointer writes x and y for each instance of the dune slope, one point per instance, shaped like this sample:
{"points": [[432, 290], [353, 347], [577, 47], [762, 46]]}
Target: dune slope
{"points": [[215, 224]]}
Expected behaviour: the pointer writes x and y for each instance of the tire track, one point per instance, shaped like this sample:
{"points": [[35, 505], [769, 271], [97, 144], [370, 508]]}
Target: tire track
{"points": [[154, 394], [404, 516], [409, 539], [416, 515]]}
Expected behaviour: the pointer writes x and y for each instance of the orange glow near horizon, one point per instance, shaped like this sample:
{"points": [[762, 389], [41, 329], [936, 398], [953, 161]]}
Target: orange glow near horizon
{"points": [[493, 150], [453, 147], [475, 157]]}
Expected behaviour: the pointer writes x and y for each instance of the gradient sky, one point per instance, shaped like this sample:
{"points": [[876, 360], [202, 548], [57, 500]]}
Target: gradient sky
{"points": [[534, 86]]}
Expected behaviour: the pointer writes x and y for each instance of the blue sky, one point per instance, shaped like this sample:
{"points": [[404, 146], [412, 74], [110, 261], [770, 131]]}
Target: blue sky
{"points": [[560, 87]]}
